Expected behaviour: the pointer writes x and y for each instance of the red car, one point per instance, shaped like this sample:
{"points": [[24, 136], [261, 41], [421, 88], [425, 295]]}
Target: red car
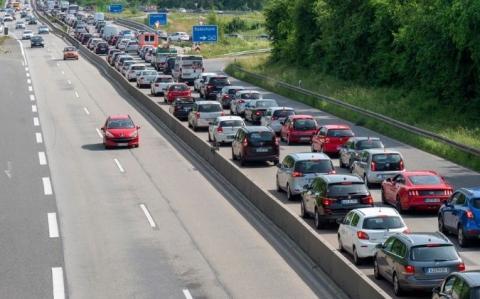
{"points": [[330, 138], [298, 129], [177, 90], [421, 190], [119, 130]]}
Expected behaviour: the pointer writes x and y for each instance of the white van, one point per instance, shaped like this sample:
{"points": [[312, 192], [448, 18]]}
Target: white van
{"points": [[99, 16], [188, 68], [110, 30]]}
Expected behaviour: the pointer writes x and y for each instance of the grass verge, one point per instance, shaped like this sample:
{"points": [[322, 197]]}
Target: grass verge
{"points": [[325, 84], [231, 45]]}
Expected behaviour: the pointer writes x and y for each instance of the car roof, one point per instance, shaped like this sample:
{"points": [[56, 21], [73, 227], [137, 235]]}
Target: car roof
{"points": [[297, 116], [309, 156], [472, 191], [233, 87], [229, 117], [164, 76], [338, 178], [420, 172], [247, 91], [207, 102], [281, 108], [251, 129], [471, 277], [360, 138], [415, 239], [336, 126], [377, 211], [119, 116], [381, 151]]}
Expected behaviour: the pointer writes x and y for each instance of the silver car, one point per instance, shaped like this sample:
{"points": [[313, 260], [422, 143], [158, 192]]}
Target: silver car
{"points": [[134, 70], [146, 77], [197, 83], [160, 84], [203, 113], [350, 151], [224, 128], [131, 46], [274, 116], [126, 65], [376, 165], [299, 169], [242, 97]]}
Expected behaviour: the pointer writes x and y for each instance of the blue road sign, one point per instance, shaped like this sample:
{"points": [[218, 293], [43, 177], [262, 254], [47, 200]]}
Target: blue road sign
{"points": [[205, 34], [157, 19], [115, 8]]}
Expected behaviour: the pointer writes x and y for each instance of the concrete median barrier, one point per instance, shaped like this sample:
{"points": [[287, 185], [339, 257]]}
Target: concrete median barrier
{"points": [[351, 280]]}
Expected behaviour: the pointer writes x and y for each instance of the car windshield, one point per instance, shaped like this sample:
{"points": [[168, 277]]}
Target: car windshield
{"points": [[476, 203], [425, 179], [266, 104], [283, 113], [340, 133], [209, 108], [347, 188], [369, 144], [253, 96], [382, 222], [219, 81], [120, 124], [385, 162], [231, 123], [304, 124], [434, 252], [260, 136], [314, 166], [179, 87]]}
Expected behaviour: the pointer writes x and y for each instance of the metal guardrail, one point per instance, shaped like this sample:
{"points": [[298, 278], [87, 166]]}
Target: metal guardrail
{"points": [[133, 24], [365, 112], [248, 52]]}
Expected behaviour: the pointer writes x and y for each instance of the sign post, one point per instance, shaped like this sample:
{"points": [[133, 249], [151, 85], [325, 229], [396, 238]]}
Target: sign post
{"points": [[155, 20], [205, 34]]}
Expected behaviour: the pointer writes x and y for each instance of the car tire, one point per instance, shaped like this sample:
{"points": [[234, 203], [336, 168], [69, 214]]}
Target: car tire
{"points": [[275, 162], [242, 161], [234, 158], [209, 139], [376, 270], [356, 260], [303, 211], [279, 189], [461, 238], [290, 196], [441, 225], [318, 223], [397, 288], [340, 244]]}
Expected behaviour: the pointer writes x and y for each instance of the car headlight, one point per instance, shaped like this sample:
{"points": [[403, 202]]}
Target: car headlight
{"points": [[108, 134], [134, 134]]}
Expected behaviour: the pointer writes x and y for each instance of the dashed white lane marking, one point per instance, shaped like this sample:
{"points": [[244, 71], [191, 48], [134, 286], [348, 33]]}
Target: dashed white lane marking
{"points": [[119, 165], [86, 111], [34, 108], [99, 133], [52, 225], [58, 285], [47, 186], [77, 95], [32, 97], [38, 137], [30, 88], [26, 69], [29, 81], [149, 217], [58, 64], [36, 122], [42, 158], [63, 73], [187, 294], [28, 74], [69, 82]]}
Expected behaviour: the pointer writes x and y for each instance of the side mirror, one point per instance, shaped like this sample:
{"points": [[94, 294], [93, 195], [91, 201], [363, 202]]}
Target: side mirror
{"points": [[138, 127], [339, 220], [279, 165], [102, 129], [379, 246], [449, 204], [436, 290], [306, 187]]}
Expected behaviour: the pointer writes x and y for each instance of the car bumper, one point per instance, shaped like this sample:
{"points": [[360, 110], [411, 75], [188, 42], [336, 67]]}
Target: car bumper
{"points": [[262, 158], [412, 283], [300, 138], [225, 138], [366, 249], [121, 142], [332, 148]]}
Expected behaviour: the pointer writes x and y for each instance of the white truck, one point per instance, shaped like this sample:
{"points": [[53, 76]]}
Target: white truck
{"points": [[188, 68], [64, 5], [110, 30], [99, 16]]}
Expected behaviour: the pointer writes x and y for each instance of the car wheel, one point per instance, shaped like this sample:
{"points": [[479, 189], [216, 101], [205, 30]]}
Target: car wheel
{"points": [[279, 189], [242, 160], [318, 223], [441, 225], [356, 260], [340, 244], [462, 239], [209, 139], [376, 270], [233, 156], [397, 289], [290, 196], [303, 211]]}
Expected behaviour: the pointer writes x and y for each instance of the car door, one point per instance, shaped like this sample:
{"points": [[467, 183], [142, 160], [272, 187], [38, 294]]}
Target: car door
{"points": [[351, 232], [449, 213], [446, 289], [360, 166], [285, 171], [394, 257], [393, 186], [458, 209], [191, 115], [235, 142], [212, 128], [381, 256], [343, 228], [265, 120]]}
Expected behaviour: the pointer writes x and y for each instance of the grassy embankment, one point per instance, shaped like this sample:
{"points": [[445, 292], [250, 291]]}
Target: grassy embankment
{"points": [[456, 123]]}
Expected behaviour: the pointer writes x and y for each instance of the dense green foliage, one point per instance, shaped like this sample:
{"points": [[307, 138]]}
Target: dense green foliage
{"points": [[216, 4], [428, 45]]}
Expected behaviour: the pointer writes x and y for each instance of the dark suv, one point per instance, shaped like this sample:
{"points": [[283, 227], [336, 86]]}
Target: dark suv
{"points": [[417, 261], [329, 198], [255, 144], [213, 86]]}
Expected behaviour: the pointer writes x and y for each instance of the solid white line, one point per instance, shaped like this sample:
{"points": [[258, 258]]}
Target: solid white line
{"points": [[30, 88], [58, 285], [147, 214], [187, 294], [119, 165], [52, 225], [42, 158], [23, 52], [34, 108], [99, 133], [69, 82], [39, 138], [28, 74], [32, 97], [86, 110], [77, 95], [36, 122], [29, 81], [47, 186]]}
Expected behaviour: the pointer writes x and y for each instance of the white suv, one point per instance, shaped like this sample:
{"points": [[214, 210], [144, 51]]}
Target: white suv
{"points": [[363, 229]]}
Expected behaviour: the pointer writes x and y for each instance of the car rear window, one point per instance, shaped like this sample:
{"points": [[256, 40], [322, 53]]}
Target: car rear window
{"points": [[314, 166], [219, 81], [232, 91], [382, 222], [476, 203], [430, 253], [260, 136], [304, 124], [138, 67], [369, 144], [164, 80], [385, 162], [120, 123], [425, 179], [266, 104], [179, 87], [283, 113], [253, 96], [209, 108], [340, 133], [347, 188], [231, 123]]}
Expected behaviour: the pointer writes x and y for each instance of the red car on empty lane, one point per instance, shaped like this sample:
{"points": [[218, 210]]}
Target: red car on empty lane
{"points": [[120, 131], [421, 190], [330, 138], [298, 129], [177, 90]]}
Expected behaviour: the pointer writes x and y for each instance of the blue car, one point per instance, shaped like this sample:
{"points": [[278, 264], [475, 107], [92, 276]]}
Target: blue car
{"points": [[461, 215]]}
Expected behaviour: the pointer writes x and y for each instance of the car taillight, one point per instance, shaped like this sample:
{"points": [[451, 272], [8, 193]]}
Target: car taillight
{"points": [[409, 269], [373, 166], [469, 214], [326, 202], [277, 141], [448, 192], [297, 174], [157, 85], [241, 101], [245, 142], [226, 96], [220, 130], [367, 200], [401, 165], [413, 193], [197, 115], [362, 235], [461, 267], [258, 113]]}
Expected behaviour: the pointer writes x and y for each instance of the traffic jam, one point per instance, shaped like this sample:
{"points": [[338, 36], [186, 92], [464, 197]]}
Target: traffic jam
{"points": [[256, 129]]}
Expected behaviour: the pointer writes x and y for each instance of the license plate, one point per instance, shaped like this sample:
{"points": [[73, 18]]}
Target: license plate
{"points": [[186, 74], [230, 137], [437, 270], [349, 201], [304, 138], [122, 144], [262, 150], [432, 199]]}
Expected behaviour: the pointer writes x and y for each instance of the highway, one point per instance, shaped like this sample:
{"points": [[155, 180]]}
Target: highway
{"points": [[152, 222]]}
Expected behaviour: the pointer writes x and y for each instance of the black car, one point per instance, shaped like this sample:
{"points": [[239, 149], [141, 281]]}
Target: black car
{"points": [[101, 48], [213, 86], [169, 66], [459, 285], [36, 41], [254, 110], [257, 143], [181, 107], [329, 198]]}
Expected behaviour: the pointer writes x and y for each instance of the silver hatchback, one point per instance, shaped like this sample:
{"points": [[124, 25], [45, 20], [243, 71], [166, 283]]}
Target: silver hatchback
{"points": [[376, 165], [299, 169], [146, 77], [203, 113]]}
